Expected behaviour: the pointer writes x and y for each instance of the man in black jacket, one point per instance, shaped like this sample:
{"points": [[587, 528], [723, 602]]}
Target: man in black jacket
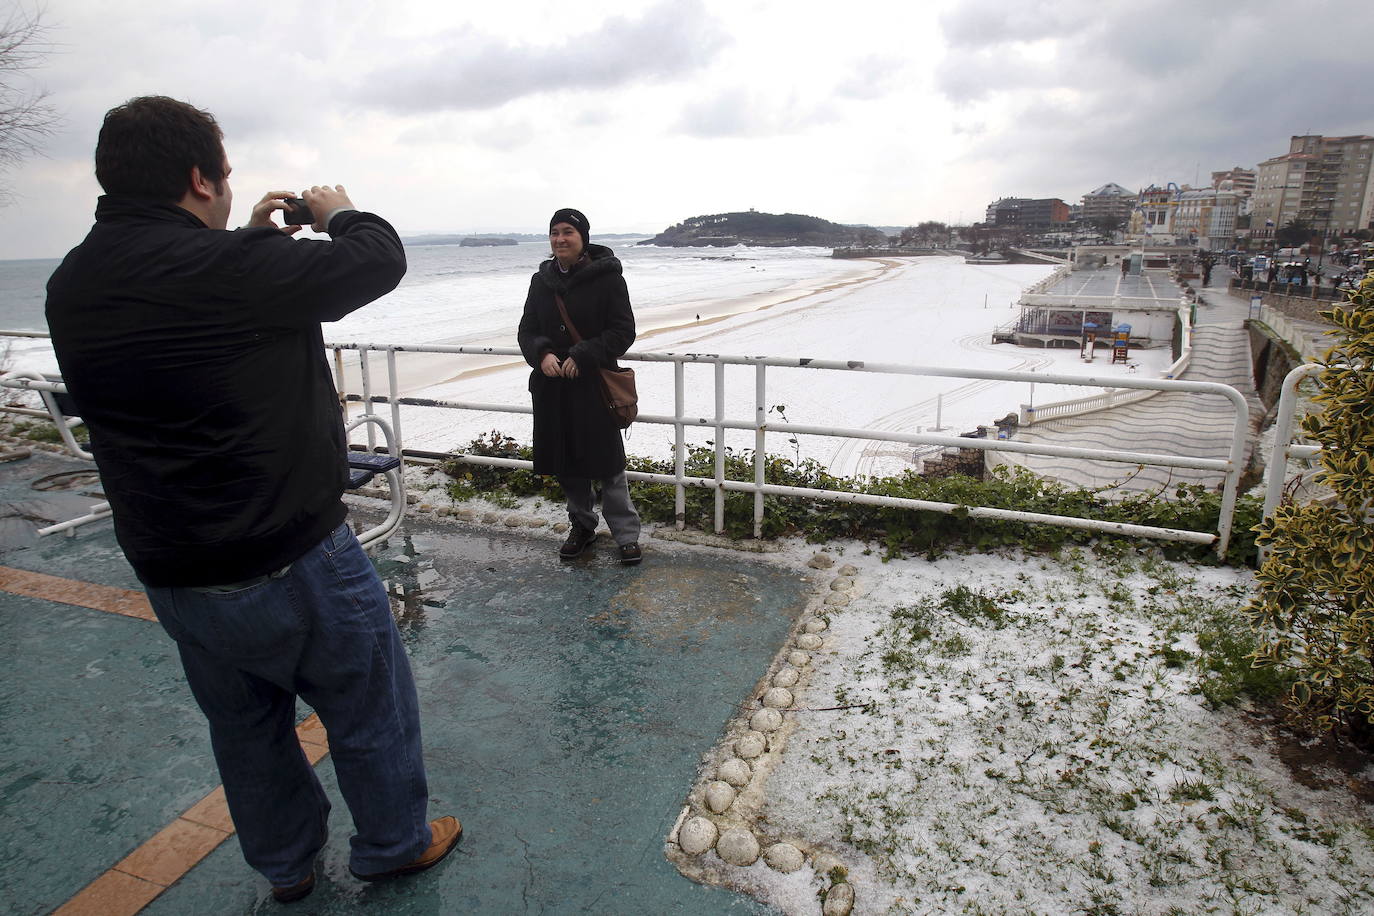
{"points": [[195, 356]]}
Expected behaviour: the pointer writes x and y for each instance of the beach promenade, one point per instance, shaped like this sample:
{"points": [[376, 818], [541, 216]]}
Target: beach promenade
{"points": [[1179, 423]]}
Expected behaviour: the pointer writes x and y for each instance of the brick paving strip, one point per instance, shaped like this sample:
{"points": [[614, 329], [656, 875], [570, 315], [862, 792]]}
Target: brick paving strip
{"points": [[137, 879]]}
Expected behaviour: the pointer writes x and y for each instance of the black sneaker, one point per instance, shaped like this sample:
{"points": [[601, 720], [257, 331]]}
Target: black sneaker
{"points": [[630, 554], [579, 539]]}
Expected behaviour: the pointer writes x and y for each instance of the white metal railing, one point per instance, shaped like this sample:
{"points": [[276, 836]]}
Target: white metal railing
{"points": [[49, 387], [1112, 397], [1284, 447], [1230, 466]]}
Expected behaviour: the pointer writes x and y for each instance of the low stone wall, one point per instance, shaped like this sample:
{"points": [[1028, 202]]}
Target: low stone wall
{"points": [[1271, 360], [1301, 306], [966, 461]]}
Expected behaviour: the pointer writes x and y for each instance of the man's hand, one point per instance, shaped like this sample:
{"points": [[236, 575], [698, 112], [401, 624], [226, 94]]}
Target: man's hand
{"points": [[569, 368], [549, 366], [324, 200], [263, 210]]}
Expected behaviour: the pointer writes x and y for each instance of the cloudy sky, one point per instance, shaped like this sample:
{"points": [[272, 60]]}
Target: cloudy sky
{"points": [[450, 116]]}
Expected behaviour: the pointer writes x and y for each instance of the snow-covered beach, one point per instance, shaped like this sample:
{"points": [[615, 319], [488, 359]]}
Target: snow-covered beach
{"points": [[787, 303], [778, 302]]}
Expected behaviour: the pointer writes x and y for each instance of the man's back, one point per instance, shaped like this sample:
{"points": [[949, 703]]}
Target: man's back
{"points": [[196, 358]]}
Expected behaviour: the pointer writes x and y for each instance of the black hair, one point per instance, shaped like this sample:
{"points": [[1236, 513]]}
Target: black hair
{"points": [[148, 145]]}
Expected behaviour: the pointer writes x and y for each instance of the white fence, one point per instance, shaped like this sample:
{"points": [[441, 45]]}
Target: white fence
{"points": [[760, 425]]}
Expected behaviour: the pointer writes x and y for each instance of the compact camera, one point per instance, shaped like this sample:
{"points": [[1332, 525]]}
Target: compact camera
{"points": [[297, 212]]}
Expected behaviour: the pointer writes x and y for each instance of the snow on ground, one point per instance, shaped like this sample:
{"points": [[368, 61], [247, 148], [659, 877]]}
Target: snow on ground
{"points": [[1033, 739], [921, 311], [1035, 743]]}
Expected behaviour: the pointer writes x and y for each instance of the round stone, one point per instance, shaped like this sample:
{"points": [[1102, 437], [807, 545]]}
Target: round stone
{"points": [[696, 836], [513, 521], [786, 677], [425, 507], [848, 569], [719, 796], [837, 599], [738, 847], [491, 518], [824, 863], [538, 522], [816, 625], [784, 857], [839, 901], [766, 720], [736, 772], [778, 698], [809, 641], [750, 745], [798, 659], [841, 584], [821, 561]]}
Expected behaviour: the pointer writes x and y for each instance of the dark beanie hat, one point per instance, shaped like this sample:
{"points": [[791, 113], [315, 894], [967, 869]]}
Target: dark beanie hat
{"points": [[573, 218]]}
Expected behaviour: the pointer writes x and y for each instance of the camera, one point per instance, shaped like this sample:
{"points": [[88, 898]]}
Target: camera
{"points": [[297, 212]]}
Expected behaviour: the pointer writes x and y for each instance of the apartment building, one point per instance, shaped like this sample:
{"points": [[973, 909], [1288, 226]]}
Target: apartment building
{"points": [[1027, 213], [1240, 180], [1323, 181], [1206, 217], [1111, 200]]}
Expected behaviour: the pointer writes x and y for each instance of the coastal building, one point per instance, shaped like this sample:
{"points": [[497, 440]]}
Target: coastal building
{"points": [[1110, 201], [1322, 181], [1027, 213], [1206, 217], [1084, 305], [1240, 180], [1152, 219]]}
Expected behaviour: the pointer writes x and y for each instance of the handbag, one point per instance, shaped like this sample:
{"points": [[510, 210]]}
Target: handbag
{"points": [[617, 385]]}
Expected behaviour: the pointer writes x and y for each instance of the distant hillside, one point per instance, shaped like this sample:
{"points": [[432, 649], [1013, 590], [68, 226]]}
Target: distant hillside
{"points": [[486, 242], [769, 230]]}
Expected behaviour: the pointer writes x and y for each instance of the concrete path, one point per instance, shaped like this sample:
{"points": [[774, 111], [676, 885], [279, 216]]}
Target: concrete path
{"points": [[1177, 423]]}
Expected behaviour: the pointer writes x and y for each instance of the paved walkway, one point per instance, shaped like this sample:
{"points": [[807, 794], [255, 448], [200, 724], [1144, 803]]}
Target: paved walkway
{"points": [[565, 708], [1178, 423]]}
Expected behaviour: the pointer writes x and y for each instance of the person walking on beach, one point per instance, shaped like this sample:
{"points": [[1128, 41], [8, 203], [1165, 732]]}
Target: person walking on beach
{"points": [[195, 356], [575, 438]]}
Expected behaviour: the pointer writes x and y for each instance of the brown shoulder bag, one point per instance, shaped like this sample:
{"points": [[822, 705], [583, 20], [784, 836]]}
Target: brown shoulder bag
{"points": [[617, 385]]}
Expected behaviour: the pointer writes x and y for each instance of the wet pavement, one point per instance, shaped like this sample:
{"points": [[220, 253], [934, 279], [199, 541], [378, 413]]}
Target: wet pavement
{"points": [[565, 710]]}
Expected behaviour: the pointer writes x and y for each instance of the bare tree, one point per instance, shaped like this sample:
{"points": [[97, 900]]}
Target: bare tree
{"points": [[26, 117]]}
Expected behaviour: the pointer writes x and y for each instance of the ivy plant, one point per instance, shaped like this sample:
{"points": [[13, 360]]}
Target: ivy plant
{"points": [[1314, 605]]}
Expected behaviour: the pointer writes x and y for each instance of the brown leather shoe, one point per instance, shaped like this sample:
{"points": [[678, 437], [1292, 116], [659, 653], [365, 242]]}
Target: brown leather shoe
{"points": [[292, 892], [445, 833]]}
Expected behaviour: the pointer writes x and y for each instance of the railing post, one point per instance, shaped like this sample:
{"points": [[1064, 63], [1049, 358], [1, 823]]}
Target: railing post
{"points": [[760, 458], [365, 373], [679, 448], [720, 447], [394, 396]]}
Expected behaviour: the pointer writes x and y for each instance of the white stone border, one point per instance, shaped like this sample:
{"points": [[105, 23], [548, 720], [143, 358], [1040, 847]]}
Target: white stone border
{"points": [[720, 827]]}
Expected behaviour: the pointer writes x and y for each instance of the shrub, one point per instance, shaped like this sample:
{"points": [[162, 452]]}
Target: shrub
{"points": [[900, 531], [1315, 599]]}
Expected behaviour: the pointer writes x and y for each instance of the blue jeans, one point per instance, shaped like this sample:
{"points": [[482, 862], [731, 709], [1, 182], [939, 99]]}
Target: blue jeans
{"points": [[320, 629]]}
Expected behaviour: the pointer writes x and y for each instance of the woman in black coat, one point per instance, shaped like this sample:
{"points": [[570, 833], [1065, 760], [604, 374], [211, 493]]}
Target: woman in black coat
{"points": [[575, 437]]}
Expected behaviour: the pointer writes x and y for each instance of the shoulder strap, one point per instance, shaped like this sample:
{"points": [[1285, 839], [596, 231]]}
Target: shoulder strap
{"points": [[567, 322]]}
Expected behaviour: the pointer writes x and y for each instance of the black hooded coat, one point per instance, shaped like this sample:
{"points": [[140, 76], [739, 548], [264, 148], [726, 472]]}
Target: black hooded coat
{"points": [[574, 433]]}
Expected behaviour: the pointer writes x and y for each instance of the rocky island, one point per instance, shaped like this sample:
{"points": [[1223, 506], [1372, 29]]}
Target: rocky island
{"points": [[475, 242], [768, 230]]}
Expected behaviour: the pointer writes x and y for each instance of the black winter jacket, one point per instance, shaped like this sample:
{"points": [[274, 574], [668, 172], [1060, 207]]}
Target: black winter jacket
{"points": [[196, 359], [574, 434]]}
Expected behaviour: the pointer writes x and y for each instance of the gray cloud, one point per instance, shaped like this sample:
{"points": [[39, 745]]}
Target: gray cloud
{"points": [[1164, 93], [746, 113], [468, 70]]}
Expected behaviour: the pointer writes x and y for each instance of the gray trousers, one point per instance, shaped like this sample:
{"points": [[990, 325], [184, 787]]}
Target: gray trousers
{"points": [[620, 513]]}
